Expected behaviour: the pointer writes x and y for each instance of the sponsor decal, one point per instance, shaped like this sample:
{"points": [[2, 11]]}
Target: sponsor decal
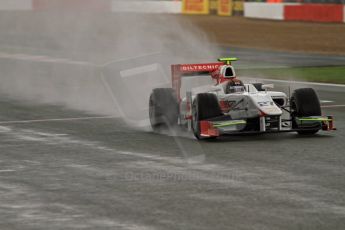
{"points": [[200, 67], [265, 103], [225, 7], [195, 7]]}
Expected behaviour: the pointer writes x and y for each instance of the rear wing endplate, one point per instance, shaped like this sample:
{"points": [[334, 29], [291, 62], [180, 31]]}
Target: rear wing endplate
{"points": [[178, 71]]}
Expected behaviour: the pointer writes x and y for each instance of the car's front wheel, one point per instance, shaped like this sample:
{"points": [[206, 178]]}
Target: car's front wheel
{"points": [[305, 103]]}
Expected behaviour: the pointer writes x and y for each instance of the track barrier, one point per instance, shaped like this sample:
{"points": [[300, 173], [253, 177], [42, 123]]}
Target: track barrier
{"points": [[315, 13], [272, 9], [93, 5], [295, 11], [264, 10], [73, 5]]}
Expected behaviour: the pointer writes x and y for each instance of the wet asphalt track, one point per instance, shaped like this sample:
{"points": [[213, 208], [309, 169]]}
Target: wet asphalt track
{"points": [[61, 168], [98, 173], [65, 169]]}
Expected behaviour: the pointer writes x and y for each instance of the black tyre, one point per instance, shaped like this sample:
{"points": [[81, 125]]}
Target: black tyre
{"points": [[205, 106], [304, 103], [163, 108]]}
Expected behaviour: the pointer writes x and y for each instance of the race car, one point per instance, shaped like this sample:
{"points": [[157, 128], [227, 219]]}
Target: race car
{"points": [[227, 106]]}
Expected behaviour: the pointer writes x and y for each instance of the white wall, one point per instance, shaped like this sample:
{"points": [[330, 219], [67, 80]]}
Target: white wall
{"points": [[147, 6], [15, 5], [117, 6], [265, 10]]}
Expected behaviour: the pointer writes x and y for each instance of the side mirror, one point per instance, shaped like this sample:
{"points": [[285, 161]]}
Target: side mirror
{"points": [[267, 87]]}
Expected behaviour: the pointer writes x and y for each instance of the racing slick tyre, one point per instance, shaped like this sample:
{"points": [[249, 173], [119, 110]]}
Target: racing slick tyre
{"points": [[205, 106], [163, 108], [305, 103]]}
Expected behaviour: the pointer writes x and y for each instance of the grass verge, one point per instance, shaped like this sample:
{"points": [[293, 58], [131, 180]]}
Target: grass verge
{"points": [[313, 74]]}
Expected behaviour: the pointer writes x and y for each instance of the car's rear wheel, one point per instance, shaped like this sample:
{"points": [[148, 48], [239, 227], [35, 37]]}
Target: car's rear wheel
{"points": [[163, 108], [205, 106], [305, 103]]}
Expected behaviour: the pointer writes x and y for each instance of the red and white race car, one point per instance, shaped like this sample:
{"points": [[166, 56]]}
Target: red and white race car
{"points": [[227, 106]]}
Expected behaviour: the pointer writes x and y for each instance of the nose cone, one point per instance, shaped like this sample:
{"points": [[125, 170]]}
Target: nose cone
{"points": [[265, 104], [272, 110]]}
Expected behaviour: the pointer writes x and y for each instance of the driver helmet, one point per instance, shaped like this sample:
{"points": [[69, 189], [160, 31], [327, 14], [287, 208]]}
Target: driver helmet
{"points": [[235, 86]]}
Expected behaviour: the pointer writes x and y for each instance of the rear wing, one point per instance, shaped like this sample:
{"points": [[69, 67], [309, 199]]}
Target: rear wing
{"points": [[182, 70]]}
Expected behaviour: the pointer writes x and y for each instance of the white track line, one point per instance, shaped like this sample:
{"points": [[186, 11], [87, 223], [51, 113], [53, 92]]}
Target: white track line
{"points": [[332, 106], [43, 59], [304, 82], [7, 170], [326, 101], [58, 119]]}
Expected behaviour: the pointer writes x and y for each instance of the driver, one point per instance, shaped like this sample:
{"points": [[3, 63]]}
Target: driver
{"points": [[234, 85]]}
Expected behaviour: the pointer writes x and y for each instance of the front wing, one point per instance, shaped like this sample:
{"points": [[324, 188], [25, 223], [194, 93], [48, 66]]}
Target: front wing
{"points": [[226, 126]]}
